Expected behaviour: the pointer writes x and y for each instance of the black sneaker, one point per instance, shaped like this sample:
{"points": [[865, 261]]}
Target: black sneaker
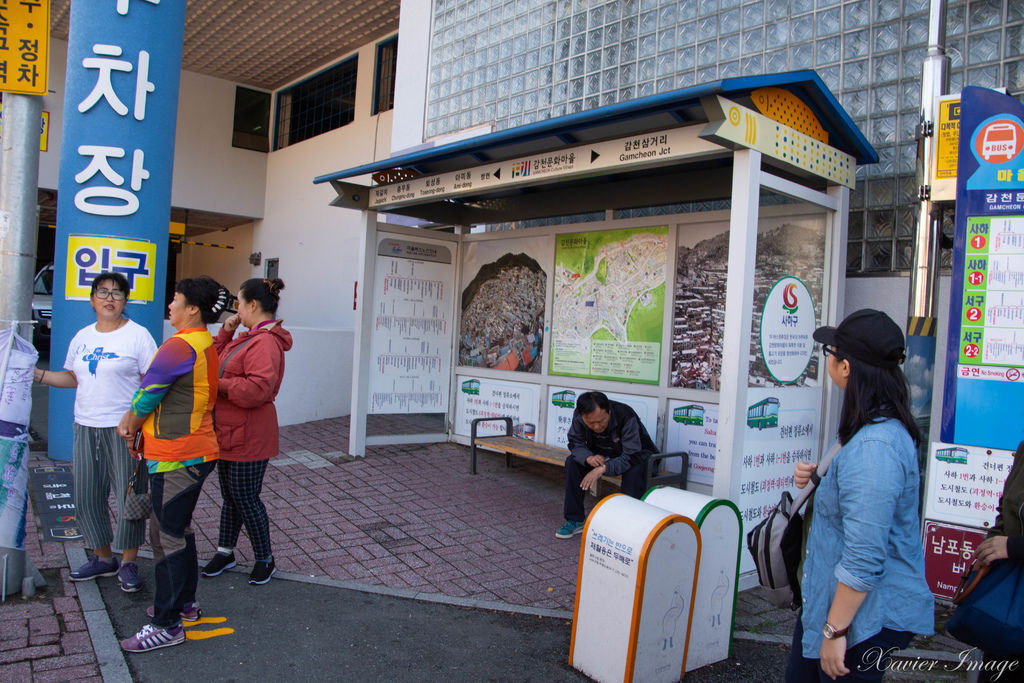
{"points": [[218, 564], [262, 572]]}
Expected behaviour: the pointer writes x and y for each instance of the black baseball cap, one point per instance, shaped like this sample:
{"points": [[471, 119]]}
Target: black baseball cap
{"points": [[868, 335]]}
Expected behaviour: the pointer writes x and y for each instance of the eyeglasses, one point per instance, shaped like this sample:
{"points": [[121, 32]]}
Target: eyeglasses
{"points": [[831, 351], [115, 294]]}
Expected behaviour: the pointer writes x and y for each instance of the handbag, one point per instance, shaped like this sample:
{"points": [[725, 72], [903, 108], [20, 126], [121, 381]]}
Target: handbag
{"points": [[990, 609], [137, 504], [775, 543]]}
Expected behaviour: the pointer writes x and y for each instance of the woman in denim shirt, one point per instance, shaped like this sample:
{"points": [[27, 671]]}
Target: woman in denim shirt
{"points": [[864, 590]]}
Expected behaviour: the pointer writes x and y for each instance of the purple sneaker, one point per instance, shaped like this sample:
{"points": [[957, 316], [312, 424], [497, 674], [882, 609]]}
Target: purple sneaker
{"points": [[153, 638], [190, 612], [128, 577], [95, 567]]}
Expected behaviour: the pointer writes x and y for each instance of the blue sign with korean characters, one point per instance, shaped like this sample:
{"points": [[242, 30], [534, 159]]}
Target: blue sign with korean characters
{"points": [[984, 390], [117, 154]]}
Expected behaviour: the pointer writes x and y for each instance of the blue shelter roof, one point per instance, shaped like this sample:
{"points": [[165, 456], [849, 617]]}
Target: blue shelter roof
{"points": [[664, 110]]}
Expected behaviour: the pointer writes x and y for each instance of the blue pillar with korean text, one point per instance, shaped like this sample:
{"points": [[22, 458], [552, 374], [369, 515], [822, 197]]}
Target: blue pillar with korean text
{"points": [[117, 153], [984, 385]]}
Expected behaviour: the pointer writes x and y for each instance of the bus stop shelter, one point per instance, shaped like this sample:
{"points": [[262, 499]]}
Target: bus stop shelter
{"points": [[674, 251]]}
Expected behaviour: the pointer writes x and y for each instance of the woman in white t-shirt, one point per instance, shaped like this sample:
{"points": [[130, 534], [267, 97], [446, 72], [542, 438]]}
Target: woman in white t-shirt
{"points": [[104, 364]]}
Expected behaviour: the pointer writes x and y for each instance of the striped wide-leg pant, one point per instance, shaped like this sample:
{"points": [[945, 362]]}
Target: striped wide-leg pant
{"points": [[101, 460]]}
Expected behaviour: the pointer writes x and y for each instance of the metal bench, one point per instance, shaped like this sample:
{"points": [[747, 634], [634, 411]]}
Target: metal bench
{"points": [[552, 455]]}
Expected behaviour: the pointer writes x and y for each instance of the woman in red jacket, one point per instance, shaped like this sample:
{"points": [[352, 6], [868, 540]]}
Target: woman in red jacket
{"points": [[251, 368]]}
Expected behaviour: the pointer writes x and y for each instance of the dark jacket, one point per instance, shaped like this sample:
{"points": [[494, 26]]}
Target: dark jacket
{"points": [[245, 417], [1011, 509], [624, 442]]}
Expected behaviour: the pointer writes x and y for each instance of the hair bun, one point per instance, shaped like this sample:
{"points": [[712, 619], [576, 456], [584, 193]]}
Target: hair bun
{"points": [[274, 286]]}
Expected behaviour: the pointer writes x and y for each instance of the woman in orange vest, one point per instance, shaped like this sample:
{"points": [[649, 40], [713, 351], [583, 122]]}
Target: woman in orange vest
{"points": [[174, 410]]}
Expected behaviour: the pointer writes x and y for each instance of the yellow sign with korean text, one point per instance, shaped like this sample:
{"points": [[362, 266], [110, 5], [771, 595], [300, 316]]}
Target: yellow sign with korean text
{"points": [[44, 130], [946, 147], [90, 255], [24, 46]]}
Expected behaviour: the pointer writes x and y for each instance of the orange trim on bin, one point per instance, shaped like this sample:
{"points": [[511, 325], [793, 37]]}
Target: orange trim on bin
{"points": [[579, 572]]}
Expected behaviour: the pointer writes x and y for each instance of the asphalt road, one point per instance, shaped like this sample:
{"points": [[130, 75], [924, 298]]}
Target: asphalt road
{"points": [[290, 630]]}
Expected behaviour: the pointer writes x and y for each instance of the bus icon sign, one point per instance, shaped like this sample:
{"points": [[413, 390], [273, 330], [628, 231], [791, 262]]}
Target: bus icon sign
{"points": [[999, 141]]}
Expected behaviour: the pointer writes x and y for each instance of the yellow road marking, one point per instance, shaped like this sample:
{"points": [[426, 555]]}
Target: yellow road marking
{"points": [[203, 635]]}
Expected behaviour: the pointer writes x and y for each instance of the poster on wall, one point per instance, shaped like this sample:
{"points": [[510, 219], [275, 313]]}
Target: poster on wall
{"points": [[985, 348], [782, 429], [693, 428], [788, 275], [410, 344], [787, 247], [965, 483], [609, 303], [502, 322], [698, 305], [476, 398], [562, 403]]}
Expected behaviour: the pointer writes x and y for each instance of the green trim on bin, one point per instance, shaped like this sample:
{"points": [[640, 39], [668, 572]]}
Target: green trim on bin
{"points": [[739, 556]]}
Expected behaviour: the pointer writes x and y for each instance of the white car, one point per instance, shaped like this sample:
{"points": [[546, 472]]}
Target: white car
{"points": [[42, 308]]}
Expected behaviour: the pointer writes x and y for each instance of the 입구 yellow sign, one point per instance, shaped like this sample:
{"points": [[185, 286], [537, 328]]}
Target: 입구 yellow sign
{"points": [[24, 46], [90, 255]]}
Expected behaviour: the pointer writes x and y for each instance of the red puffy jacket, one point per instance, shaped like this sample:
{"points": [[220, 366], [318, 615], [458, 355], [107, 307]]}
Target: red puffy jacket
{"points": [[245, 418]]}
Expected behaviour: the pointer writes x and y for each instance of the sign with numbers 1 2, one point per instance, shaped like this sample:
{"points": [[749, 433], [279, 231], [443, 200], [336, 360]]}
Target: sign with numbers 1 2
{"points": [[985, 347]]}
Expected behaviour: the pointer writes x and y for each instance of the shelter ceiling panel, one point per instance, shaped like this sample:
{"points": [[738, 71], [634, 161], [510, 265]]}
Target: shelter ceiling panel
{"points": [[268, 45]]}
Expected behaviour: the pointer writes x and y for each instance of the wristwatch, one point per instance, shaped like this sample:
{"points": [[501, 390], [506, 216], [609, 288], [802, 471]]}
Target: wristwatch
{"points": [[831, 632]]}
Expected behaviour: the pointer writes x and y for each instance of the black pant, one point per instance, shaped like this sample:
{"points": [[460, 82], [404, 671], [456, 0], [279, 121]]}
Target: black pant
{"points": [[867, 660], [174, 495], [632, 485]]}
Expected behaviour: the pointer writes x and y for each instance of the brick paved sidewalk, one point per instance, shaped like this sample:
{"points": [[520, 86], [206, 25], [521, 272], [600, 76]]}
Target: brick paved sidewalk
{"points": [[405, 517], [412, 517], [44, 638]]}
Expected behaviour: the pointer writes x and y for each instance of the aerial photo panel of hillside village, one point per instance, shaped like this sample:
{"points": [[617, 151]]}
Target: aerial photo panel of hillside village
{"points": [[785, 247], [503, 315]]}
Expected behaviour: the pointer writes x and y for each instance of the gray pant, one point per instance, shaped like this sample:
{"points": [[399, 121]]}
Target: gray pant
{"points": [[101, 459]]}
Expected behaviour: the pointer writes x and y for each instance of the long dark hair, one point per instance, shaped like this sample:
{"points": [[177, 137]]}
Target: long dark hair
{"points": [[873, 394]]}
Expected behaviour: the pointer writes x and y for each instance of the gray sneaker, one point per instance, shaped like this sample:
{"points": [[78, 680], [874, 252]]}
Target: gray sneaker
{"points": [[95, 567]]}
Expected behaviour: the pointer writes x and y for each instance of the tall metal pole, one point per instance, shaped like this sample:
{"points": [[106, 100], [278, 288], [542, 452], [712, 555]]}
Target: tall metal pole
{"points": [[19, 220], [19, 208], [921, 313]]}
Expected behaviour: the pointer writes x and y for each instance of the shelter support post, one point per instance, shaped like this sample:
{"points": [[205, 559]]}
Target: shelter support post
{"points": [[834, 295], [739, 298], [364, 327]]}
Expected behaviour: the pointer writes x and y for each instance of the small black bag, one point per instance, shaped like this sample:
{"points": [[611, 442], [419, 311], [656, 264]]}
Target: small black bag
{"points": [[137, 504]]}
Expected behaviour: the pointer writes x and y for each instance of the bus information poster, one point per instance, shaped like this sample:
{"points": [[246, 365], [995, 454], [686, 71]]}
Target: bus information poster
{"points": [[782, 429], [983, 388], [693, 428], [965, 483], [490, 398]]}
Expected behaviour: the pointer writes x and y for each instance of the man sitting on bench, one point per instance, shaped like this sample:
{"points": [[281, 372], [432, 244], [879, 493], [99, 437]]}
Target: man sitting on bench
{"points": [[605, 438]]}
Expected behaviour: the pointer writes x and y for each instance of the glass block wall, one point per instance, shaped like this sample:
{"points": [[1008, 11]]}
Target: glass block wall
{"points": [[513, 62]]}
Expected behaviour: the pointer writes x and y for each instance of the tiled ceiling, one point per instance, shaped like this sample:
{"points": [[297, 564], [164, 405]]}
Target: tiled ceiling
{"points": [[268, 43]]}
